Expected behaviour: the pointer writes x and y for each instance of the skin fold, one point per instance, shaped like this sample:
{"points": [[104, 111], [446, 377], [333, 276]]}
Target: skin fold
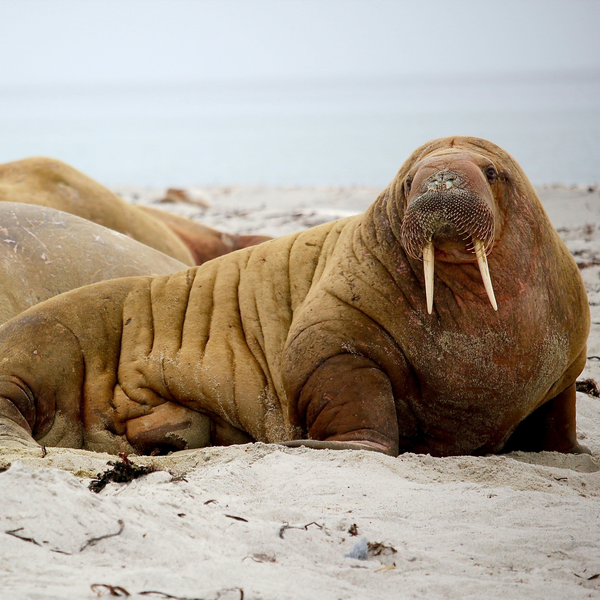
{"points": [[324, 336]]}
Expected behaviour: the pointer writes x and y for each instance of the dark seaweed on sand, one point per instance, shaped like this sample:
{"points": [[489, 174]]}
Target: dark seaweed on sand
{"points": [[589, 387], [122, 471]]}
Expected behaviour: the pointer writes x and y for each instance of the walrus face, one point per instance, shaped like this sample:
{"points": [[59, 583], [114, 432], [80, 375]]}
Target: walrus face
{"points": [[450, 214]]}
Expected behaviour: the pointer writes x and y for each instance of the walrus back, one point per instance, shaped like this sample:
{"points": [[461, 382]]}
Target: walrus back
{"points": [[46, 252], [54, 184]]}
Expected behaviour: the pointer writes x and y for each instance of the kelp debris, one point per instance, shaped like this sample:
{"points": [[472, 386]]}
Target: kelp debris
{"points": [[122, 471]]}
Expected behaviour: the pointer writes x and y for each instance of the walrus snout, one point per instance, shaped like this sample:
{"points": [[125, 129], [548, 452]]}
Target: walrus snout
{"points": [[450, 216]]}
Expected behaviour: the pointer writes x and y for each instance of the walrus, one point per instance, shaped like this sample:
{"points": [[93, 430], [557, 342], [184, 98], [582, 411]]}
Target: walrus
{"points": [[46, 252], [203, 242], [448, 319], [54, 184]]}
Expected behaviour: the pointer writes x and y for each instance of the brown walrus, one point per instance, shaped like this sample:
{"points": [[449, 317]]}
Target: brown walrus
{"points": [[46, 252], [327, 334], [54, 184], [204, 243]]}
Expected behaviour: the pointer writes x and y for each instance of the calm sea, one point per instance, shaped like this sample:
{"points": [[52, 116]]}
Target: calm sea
{"points": [[301, 133]]}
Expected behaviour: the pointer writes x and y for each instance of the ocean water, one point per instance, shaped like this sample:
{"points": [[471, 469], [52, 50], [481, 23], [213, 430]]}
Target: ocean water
{"points": [[301, 133]]}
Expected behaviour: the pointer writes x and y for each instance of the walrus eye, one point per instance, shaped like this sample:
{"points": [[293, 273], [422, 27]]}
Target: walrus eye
{"points": [[491, 174], [408, 184]]}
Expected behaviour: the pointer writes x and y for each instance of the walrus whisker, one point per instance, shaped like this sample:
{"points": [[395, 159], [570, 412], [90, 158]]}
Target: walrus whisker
{"points": [[464, 209], [485, 272], [428, 268]]}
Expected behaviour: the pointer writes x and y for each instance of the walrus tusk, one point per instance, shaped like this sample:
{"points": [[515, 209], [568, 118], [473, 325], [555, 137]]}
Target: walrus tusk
{"points": [[485, 272], [428, 268]]}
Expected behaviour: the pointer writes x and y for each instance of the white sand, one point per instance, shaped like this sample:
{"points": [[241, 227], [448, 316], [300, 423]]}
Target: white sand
{"points": [[514, 526]]}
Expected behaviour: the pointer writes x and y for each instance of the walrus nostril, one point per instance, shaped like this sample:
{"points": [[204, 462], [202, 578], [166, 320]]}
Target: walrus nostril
{"points": [[443, 180]]}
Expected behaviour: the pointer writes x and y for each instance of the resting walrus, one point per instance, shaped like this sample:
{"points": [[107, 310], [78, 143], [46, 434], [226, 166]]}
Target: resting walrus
{"points": [[46, 252], [326, 334], [204, 243], [51, 183]]}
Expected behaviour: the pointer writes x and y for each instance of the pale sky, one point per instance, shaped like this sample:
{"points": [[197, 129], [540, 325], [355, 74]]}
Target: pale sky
{"points": [[158, 41]]}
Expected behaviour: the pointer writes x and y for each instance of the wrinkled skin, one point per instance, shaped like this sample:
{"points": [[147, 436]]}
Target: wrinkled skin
{"points": [[54, 184], [46, 252], [324, 335]]}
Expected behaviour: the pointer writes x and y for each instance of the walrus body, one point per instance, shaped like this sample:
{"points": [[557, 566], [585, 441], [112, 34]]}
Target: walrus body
{"points": [[326, 334], [53, 184], [46, 252]]}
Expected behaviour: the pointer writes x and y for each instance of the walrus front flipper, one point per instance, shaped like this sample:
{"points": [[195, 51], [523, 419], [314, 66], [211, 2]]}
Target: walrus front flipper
{"points": [[550, 428], [349, 399], [168, 428], [41, 377], [15, 406]]}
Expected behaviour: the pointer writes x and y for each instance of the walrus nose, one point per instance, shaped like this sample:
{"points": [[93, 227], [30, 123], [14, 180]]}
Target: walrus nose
{"points": [[446, 209]]}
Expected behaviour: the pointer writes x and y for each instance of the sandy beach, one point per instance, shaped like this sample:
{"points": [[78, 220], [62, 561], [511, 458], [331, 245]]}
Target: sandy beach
{"points": [[266, 522]]}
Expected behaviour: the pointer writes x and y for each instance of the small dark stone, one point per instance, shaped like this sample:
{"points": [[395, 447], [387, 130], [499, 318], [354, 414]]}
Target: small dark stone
{"points": [[379, 549]]}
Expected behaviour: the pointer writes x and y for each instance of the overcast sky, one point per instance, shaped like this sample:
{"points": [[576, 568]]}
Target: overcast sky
{"points": [[154, 41]]}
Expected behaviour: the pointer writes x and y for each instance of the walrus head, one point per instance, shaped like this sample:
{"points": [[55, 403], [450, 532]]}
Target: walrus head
{"points": [[450, 214]]}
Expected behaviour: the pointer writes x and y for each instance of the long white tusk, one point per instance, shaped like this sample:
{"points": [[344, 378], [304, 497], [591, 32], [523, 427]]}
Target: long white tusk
{"points": [[428, 267], [485, 271]]}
